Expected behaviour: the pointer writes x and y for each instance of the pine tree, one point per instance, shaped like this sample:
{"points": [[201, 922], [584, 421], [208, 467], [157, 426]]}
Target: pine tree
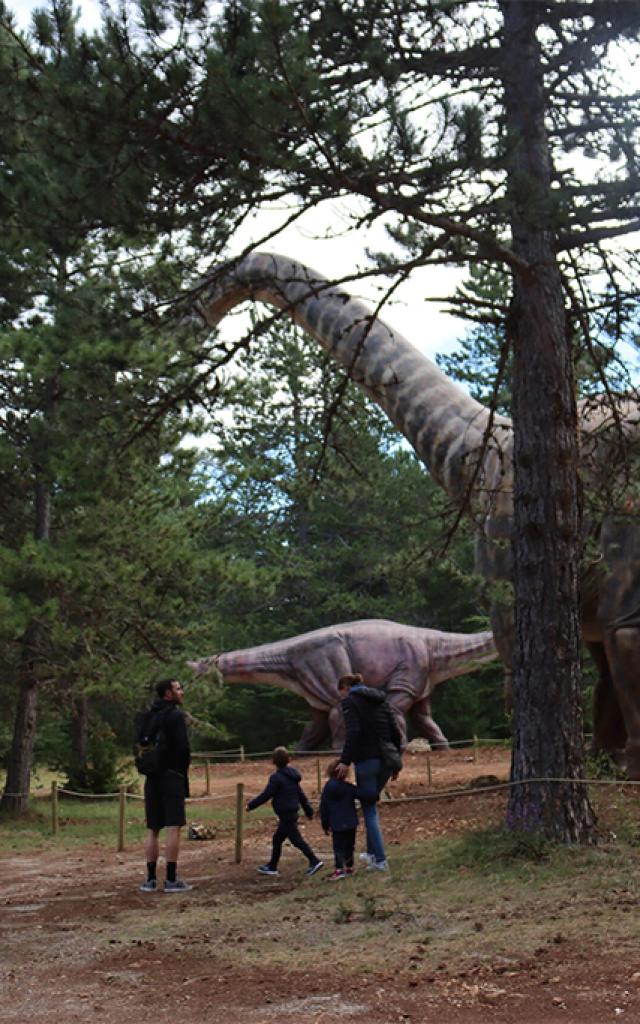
{"points": [[82, 376]]}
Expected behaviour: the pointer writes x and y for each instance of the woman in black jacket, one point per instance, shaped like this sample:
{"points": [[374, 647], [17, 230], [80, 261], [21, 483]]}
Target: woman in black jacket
{"points": [[368, 721]]}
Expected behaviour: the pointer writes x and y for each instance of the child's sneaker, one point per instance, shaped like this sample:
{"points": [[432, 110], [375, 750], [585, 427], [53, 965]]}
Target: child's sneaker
{"points": [[336, 875], [264, 869], [149, 886], [348, 871], [315, 867]]}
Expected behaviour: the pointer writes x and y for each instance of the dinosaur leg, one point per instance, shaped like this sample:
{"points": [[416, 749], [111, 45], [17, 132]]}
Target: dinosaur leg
{"points": [[400, 702], [621, 647], [336, 727], [609, 733], [426, 726], [401, 688], [315, 732], [618, 614]]}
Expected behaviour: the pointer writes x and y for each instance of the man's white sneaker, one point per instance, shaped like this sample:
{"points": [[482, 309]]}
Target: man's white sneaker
{"points": [[367, 858], [177, 886]]}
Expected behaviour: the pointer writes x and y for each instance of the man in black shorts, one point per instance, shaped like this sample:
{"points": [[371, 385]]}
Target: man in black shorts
{"points": [[166, 791]]}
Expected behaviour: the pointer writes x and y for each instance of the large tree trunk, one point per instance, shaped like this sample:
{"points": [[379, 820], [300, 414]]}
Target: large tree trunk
{"points": [[18, 782], [547, 715], [79, 743]]}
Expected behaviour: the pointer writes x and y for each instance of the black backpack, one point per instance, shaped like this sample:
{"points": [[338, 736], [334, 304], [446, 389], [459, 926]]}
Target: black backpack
{"points": [[150, 742]]}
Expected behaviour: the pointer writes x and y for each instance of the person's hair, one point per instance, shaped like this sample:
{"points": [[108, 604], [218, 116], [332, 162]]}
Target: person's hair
{"points": [[281, 757], [164, 685], [331, 767], [350, 680]]}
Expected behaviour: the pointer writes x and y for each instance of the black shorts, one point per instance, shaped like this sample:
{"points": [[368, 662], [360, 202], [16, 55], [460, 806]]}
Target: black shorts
{"points": [[164, 797]]}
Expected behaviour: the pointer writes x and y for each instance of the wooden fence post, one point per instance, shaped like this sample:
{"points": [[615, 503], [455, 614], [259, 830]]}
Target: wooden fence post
{"points": [[429, 775], [475, 749], [54, 808], [207, 778], [242, 752], [319, 775], [239, 820], [121, 817]]}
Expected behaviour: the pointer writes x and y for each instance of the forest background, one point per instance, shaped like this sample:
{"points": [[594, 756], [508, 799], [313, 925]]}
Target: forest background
{"points": [[175, 514], [126, 550]]}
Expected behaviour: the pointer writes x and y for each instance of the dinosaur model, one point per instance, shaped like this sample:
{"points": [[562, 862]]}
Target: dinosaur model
{"points": [[407, 661], [469, 451]]}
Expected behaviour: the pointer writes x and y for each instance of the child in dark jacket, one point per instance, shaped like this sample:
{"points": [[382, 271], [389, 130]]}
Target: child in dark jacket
{"points": [[338, 815], [286, 794]]}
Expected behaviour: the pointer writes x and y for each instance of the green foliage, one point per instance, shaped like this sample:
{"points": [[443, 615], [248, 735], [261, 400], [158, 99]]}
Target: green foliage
{"points": [[602, 766], [99, 772], [482, 360], [493, 849], [99, 553], [259, 718]]}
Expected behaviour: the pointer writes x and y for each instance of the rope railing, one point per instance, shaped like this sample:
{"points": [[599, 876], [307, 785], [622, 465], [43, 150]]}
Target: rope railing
{"points": [[245, 755], [86, 796], [443, 794], [122, 795]]}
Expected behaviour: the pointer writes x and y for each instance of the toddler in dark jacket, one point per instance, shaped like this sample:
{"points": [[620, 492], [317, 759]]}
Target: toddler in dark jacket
{"points": [[338, 816], [286, 795]]}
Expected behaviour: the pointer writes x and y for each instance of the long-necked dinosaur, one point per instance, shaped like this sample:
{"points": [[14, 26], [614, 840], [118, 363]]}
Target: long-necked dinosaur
{"points": [[469, 452], [407, 661]]}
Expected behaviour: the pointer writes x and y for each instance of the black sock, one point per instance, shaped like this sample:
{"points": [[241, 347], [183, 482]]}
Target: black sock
{"points": [[151, 871], [171, 870]]}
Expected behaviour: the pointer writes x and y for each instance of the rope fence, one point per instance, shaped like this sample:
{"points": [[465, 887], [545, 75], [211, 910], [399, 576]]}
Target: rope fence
{"points": [[469, 790]]}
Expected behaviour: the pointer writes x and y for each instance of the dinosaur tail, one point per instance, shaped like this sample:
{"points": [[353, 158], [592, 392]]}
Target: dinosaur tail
{"points": [[458, 653]]}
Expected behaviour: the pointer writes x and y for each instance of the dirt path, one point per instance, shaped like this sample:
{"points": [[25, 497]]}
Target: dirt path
{"points": [[80, 943]]}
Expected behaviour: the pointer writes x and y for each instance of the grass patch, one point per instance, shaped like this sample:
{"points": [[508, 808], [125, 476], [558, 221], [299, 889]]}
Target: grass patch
{"points": [[482, 898], [94, 821]]}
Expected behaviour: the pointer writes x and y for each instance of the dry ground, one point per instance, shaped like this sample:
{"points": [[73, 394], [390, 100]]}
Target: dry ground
{"points": [[435, 941]]}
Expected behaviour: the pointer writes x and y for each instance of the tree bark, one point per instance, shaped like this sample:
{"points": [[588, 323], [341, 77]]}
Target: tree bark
{"points": [[79, 743], [15, 796], [547, 714], [16, 791]]}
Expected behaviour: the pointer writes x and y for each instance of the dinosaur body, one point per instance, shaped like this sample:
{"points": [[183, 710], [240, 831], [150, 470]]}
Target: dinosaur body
{"points": [[407, 661], [470, 453]]}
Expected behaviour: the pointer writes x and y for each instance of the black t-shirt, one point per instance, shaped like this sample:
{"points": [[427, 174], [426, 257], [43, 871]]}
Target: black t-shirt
{"points": [[176, 750]]}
